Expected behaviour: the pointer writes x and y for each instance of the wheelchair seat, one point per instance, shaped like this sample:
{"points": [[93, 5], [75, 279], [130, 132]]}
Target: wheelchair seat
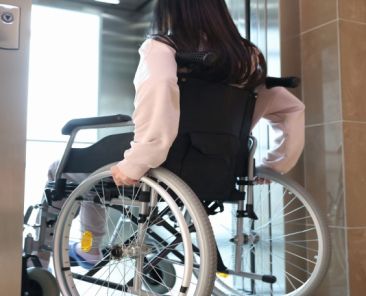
{"points": [[107, 150]]}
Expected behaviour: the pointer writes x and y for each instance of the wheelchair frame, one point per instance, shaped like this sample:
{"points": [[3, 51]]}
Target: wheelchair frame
{"points": [[245, 209]]}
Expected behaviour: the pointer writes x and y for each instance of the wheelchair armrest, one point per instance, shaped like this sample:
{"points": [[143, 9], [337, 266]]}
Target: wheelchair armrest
{"points": [[93, 121]]}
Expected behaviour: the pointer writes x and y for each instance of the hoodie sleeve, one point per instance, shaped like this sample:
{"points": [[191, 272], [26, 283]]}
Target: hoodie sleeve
{"points": [[285, 114], [156, 114]]}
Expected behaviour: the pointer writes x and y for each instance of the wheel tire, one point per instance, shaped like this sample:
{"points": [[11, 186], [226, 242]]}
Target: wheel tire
{"points": [[42, 282]]}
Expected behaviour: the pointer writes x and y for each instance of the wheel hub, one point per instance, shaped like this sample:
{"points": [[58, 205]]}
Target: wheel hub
{"points": [[132, 251]]}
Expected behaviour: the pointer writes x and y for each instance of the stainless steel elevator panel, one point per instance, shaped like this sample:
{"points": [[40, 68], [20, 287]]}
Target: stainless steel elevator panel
{"points": [[14, 49]]}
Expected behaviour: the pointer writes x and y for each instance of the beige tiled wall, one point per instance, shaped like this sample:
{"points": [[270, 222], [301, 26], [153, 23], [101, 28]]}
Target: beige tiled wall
{"points": [[355, 164], [354, 10], [316, 13], [352, 31], [323, 156], [353, 67], [310, 49], [332, 36], [320, 74]]}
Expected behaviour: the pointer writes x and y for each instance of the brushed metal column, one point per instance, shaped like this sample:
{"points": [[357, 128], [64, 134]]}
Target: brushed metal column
{"points": [[13, 103]]}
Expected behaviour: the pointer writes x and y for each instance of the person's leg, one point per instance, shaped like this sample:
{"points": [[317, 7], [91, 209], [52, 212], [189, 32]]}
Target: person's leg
{"points": [[92, 218]]}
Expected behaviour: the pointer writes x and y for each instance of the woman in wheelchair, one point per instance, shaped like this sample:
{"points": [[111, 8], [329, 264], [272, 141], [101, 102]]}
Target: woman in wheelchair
{"points": [[184, 110], [192, 26]]}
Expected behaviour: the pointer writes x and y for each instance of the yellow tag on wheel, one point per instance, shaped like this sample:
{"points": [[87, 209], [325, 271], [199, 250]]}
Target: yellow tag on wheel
{"points": [[222, 274], [86, 241]]}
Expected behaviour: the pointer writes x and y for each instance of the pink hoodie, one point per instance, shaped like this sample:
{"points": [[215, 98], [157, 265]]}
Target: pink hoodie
{"points": [[156, 115]]}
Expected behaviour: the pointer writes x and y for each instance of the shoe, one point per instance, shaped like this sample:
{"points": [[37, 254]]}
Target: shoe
{"points": [[76, 259]]}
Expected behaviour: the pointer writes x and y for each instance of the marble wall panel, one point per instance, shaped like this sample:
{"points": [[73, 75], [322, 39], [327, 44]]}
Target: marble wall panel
{"points": [[353, 69], [353, 10], [324, 180], [320, 75], [315, 13]]}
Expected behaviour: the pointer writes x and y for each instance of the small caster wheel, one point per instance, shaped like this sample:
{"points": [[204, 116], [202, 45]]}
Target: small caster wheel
{"points": [[41, 283], [161, 279]]}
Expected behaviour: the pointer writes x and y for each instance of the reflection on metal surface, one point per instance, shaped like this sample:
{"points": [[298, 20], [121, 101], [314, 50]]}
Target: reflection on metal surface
{"points": [[237, 10], [263, 31], [109, 1], [122, 5]]}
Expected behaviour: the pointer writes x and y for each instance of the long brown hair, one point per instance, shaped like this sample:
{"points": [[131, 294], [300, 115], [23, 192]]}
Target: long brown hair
{"points": [[187, 25]]}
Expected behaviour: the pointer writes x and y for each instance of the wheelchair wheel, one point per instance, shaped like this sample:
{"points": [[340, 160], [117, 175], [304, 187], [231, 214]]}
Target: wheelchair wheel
{"points": [[289, 241], [147, 245]]}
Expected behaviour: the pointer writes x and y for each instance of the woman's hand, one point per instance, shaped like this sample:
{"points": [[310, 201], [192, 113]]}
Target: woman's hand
{"points": [[120, 178]]}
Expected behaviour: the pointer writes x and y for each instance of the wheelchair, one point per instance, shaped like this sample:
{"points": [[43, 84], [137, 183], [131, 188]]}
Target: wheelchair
{"points": [[157, 231], [160, 238]]}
